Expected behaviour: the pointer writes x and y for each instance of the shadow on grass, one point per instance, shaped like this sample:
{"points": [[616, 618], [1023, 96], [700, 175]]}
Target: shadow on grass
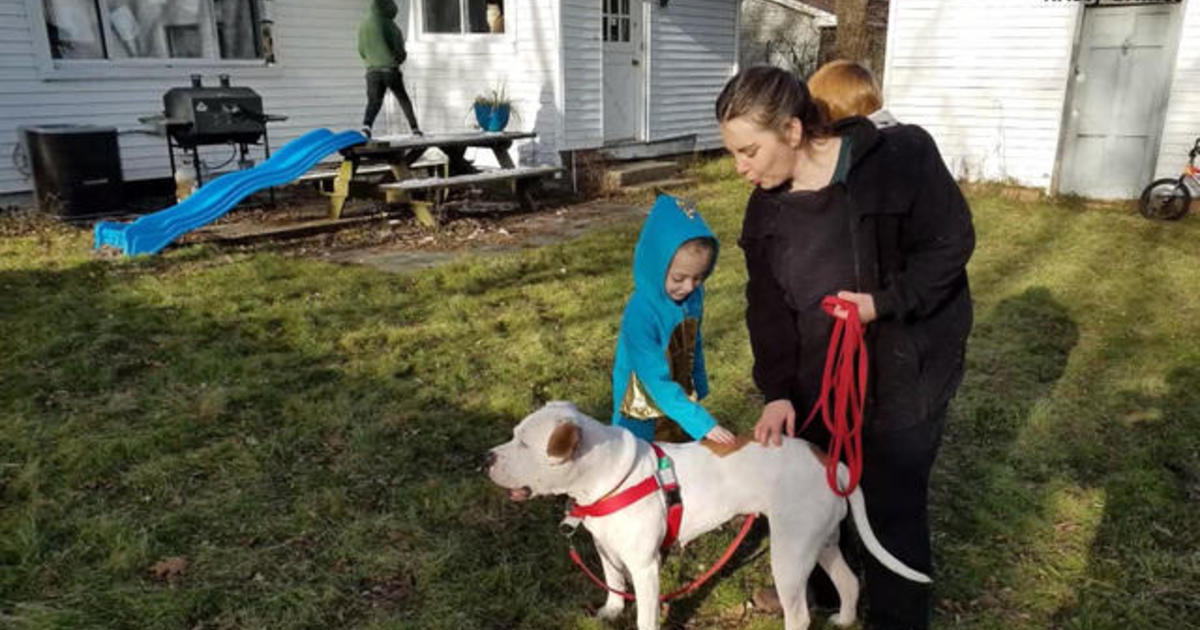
{"points": [[198, 413], [1022, 346], [1141, 560]]}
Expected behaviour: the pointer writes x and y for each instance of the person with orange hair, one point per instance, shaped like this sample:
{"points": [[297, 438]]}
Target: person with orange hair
{"points": [[847, 88]]}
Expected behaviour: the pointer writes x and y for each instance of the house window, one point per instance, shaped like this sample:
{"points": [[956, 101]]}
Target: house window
{"points": [[132, 29], [614, 24], [456, 17]]}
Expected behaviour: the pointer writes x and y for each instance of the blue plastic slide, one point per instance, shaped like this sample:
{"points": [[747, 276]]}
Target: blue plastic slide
{"points": [[151, 233]]}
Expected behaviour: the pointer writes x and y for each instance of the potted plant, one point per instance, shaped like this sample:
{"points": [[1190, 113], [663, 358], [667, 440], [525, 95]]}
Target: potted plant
{"points": [[492, 109]]}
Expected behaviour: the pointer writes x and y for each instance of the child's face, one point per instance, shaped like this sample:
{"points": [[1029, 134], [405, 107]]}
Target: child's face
{"points": [[687, 271]]}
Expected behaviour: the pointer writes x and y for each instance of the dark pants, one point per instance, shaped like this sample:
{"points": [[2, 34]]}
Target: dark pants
{"points": [[895, 484], [378, 83]]}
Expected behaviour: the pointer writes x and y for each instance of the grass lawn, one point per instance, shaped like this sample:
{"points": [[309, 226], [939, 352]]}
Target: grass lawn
{"points": [[213, 439]]}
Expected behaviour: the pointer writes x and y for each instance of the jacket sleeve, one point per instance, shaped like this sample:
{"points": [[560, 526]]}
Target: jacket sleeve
{"points": [[699, 370], [936, 241], [772, 332], [395, 42], [649, 363]]}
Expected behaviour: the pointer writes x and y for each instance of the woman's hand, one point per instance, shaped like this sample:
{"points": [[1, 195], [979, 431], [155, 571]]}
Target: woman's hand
{"points": [[720, 435], [775, 415], [866, 306]]}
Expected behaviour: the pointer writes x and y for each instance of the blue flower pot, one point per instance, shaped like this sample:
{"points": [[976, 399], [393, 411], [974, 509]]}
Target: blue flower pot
{"points": [[491, 118]]}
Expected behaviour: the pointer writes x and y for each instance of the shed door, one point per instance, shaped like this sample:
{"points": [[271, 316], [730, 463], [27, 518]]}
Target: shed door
{"points": [[621, 23], [1115, 115]]}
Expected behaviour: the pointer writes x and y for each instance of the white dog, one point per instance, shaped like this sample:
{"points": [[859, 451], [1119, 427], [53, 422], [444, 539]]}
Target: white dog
{"points": [[559, 450]]}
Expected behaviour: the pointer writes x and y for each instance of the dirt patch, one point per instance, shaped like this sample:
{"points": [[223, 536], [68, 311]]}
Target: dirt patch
{"points": [[490, 234], [393, 241], [370, 233]]}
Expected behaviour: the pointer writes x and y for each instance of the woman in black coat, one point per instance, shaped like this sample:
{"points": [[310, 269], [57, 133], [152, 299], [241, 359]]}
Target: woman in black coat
{"points": [[874, 217]]}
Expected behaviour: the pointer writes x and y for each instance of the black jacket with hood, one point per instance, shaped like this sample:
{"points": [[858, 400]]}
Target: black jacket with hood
{"points": [[910, 236]]}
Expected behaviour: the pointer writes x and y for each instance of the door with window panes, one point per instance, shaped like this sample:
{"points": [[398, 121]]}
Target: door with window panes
{"points": [[621, 25], [166, 29]]}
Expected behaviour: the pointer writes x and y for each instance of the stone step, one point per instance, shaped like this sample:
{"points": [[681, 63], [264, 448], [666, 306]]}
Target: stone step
{"points": [[674, 183], [620, 176]]}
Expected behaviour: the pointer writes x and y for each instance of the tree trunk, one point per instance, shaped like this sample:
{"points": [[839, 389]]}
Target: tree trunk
{"points": [[853, 36]]}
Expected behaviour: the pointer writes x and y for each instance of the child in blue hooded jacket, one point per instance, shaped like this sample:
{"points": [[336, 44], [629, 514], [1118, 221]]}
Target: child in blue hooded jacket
{"points": [[659, 367]]}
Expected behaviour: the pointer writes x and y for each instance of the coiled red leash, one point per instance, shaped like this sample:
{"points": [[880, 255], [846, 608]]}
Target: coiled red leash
{"points": [[845, 382]]}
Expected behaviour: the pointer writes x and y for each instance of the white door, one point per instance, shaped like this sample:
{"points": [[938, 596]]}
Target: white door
{"points": [[1115, 115], [621, 23]]}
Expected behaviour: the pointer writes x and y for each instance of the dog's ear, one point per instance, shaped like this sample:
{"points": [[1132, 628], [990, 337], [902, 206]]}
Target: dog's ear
{"points": [[563, 442]]}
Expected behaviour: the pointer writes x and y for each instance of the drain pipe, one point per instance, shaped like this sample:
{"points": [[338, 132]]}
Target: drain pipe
{"points": [[574, 175]]}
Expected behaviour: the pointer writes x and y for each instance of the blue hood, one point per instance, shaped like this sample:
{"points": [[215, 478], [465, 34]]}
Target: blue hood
{"points": [[658, 370], [671, 223]]}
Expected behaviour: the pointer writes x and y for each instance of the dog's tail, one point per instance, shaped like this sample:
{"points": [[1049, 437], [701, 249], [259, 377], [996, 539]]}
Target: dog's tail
{"points": [[858, 508]]}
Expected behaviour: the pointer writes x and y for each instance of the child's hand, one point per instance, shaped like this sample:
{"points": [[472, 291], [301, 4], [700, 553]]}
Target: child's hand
{"points": [[720, 435]]}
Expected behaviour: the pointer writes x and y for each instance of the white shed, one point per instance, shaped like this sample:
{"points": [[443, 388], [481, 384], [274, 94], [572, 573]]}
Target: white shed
{"points": [[1093, 97], [584, 74]]}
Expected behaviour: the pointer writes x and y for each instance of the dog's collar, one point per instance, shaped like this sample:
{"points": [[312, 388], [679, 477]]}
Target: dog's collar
{"points": [[663, 477]]}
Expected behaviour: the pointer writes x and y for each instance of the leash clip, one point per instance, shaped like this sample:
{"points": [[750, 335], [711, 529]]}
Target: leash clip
{"points": [[569, 525]]}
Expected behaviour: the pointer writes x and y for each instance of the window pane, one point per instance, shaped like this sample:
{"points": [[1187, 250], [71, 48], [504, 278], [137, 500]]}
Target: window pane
{"points": [[624, 29], [237, 29], [614, 6], [604, 27], [624, 7], [156, 28], [73, 27], [614, 34], [485, 16], [442, 16]]}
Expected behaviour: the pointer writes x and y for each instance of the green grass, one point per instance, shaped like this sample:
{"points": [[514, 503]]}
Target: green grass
{"points": [[308, 435]]}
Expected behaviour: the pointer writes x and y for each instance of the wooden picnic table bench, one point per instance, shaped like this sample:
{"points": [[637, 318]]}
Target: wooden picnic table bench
{"points": [[402, 155]]}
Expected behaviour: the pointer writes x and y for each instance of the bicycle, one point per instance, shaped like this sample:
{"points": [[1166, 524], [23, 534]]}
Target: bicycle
{"points": [[1169, 198]]}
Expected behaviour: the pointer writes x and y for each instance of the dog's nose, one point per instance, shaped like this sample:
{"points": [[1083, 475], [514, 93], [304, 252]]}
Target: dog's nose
{"points": [[488, 460]]}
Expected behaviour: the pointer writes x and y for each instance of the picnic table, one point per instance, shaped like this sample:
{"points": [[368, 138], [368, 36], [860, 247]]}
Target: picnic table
{"points": [[404, 156]]}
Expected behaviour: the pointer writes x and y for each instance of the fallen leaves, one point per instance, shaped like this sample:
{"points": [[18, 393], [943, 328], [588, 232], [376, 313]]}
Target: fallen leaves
{"points": [[169, 569]]}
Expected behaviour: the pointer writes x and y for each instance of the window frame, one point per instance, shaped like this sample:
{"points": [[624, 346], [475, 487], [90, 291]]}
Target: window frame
{"points": [[418, 33], [51, 69]]}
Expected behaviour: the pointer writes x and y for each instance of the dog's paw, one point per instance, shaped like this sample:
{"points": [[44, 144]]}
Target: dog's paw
{"points": [[843, 621], [610, 611]]}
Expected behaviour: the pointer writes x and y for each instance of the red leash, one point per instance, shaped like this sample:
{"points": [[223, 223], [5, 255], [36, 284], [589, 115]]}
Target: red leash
{"points": [[846, 382], [695, 584]]}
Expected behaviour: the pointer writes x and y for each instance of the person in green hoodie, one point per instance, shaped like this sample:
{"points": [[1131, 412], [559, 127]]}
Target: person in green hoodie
{"points": [[381, 46]]}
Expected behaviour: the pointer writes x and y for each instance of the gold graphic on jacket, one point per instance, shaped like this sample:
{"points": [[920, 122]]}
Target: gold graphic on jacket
{"points": [[681, 359]]}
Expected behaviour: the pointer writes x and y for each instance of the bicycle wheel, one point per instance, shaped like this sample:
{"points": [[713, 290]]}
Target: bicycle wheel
{"points": [[1165, 199]]}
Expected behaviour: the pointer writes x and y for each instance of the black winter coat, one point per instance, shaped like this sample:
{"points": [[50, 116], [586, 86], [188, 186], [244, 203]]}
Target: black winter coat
{"points": [[910, 236]]}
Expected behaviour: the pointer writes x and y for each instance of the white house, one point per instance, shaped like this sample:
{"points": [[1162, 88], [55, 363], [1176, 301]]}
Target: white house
{"points": [[1095, 97], [784, 33], [585, 74]]}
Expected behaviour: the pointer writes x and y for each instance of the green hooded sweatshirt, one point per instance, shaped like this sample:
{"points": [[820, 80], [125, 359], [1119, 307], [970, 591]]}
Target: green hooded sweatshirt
{"points": [[380, 42]]}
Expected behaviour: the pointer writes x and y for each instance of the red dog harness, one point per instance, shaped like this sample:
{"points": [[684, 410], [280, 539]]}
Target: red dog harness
{"points": [[663, 477]]}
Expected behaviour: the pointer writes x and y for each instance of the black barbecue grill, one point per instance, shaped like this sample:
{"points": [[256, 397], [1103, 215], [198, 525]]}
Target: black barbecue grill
{"points": [[198, 115]]}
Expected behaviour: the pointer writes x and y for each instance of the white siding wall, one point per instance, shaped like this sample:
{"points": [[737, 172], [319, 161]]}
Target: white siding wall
{"points": [[1183, 109], [693, 53], [987, 79], [583, 81], [318, 82], [444, 76]]}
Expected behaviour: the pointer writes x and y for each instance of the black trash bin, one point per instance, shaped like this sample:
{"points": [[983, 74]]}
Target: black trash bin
{"points": [[76, 169]]}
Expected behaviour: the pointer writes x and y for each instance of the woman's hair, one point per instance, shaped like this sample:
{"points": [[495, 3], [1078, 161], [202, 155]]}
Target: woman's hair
{"points": [[771, 97], [845, 88]]}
